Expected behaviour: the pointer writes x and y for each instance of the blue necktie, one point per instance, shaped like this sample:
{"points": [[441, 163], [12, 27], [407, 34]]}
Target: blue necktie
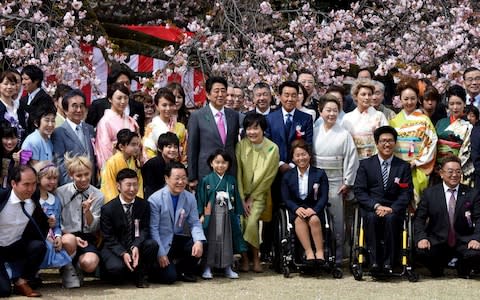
{"points": [[288, 125]]}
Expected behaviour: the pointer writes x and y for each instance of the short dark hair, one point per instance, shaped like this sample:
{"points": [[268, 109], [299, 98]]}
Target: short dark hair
{"points": [[224, 154], [166, 94], [472, 109], [305, 71], [125, 173], [60, 91], [174, 165], [384, 130], [34, 72], [408, 83], [328, 98], [261, 85], [41, 111], [365, 69], [431, 93], [456, 90], [337, 89], [7, 130], [468, 70], [69, 95], [215, 79], [16, 173], [253, 119], [302, 145], [288, 83], [166, 139], [450, 158], [117, 86], [117, 71], [124, 137]]}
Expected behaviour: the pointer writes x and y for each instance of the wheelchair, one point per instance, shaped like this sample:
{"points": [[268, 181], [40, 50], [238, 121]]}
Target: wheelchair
{"points": [[359, 255], [288, 254]]}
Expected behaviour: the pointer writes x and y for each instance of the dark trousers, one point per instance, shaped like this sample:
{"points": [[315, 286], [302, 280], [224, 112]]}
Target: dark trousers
{"points": [[382, 228], [29, 252], [181, 261], [437, 257], [268, 228], [116, 270]]}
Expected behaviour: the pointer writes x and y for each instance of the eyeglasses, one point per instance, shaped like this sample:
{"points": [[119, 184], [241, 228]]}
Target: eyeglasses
{"points": [[450, 172], [383, 142], [471, 79]]}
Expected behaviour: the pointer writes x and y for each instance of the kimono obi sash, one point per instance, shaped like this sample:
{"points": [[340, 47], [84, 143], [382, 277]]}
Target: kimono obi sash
{"points": [[445, 148], [408, 147], [332, 165]]}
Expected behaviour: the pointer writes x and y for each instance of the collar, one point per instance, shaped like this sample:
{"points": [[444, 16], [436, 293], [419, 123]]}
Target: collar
{"points": [[388, 160], [50, 199], [14, 199], [34, 93], [262, 113], [284, 113], [446, 188], [306, 171], [73, 125], [215, 111], [123, 202]]}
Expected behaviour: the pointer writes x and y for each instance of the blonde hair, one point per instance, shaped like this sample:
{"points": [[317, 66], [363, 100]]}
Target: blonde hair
{"points": [[45, 168], [361, 83], [77, 163]]}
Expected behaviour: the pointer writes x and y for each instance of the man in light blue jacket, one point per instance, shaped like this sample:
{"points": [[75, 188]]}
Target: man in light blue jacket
{"points": [[175, 226]]}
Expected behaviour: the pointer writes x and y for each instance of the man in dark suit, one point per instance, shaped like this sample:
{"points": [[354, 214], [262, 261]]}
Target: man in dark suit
{"points": [[134, 109], [475, 144], [74, 136], [210, 128], [383, 188], [23, 227], [36, 98], [125, 225], [446, 223]]}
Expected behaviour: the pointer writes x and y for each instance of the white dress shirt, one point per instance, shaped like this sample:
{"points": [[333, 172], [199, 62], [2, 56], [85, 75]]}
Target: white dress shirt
{"points": [[215, 111], [32, 95], [303, 183], [448, 194], [13, 221]]}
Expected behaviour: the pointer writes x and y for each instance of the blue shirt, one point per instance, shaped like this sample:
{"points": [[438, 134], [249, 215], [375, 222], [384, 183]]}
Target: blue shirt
{"points": [[174, 201]]}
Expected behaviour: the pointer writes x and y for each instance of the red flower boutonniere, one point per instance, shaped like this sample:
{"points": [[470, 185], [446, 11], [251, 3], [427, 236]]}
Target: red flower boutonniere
{"points": [[402, 185], [298, 132]]}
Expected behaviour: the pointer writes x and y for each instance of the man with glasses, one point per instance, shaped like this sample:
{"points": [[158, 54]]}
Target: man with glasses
{"points": [[444, 224], [383, 188], [471, 80]]}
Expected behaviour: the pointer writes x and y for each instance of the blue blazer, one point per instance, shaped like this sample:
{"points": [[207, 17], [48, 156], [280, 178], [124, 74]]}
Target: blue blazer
{"points": [[291, 194], [165, 223], [64, 140], [369, 188], [276, 131]]}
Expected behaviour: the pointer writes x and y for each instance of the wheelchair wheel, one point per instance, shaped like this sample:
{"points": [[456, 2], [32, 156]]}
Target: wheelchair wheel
{"points": [[280, 239], [412, 276], [357, 272], [337, 273]]}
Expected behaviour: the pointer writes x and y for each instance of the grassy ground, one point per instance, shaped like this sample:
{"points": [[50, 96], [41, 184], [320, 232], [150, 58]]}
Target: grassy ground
{"points": [[270, 285]]}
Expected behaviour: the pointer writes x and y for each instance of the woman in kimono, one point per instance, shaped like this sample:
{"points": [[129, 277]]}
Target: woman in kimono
{"points": [[417, 140], [334, 151], [128, 152], [363, 120], [257, 165], [220, 207], [164, 122], [112, 122], [454, 133]]}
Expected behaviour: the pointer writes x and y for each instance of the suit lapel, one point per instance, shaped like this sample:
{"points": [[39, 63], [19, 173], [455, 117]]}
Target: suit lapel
{"points": [[461, 198], [443, 200], [168, 204], [180, 205], [229, 120], [311, 179], [209, 116], [72, 135], [119, 211]]}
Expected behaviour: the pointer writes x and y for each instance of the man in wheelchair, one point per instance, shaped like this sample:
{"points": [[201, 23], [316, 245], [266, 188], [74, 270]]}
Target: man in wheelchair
{"points": [[383, 188], [305, 193]]}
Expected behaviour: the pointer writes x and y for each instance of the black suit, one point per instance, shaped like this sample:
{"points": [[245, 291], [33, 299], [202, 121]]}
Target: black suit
{"points": [[153, 175], [475, 143], [113, 224], [41, 100], [29, 251], [22, 118], [369, 191], [97, 109], [432, 223]]}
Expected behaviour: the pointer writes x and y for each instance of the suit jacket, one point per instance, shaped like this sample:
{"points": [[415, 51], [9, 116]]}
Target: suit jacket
{"points": [[64, 140], [316, 198], [97, 109], [40, 100], [302, 125], [31, 231], [113, 224], [153, 175], [21, 114], [475, 148], [431, 220], [204, 139], [165, 223], [369, 188]]}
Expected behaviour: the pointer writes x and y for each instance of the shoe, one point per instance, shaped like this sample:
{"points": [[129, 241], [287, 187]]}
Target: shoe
{"points": [[141, 283], [70, 278], [207, 274], [187, 277], [453, 263], [375, 269], [25, 290], [79, 273], [320, 261], [387, 269], [229, 273]]}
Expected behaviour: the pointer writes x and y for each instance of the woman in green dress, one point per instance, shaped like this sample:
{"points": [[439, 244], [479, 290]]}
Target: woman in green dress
{"points": [[257, 165]]}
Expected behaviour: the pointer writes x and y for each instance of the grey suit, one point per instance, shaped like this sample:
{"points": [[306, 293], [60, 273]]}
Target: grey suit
{"points": [[65, 140], [204, 139]]}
